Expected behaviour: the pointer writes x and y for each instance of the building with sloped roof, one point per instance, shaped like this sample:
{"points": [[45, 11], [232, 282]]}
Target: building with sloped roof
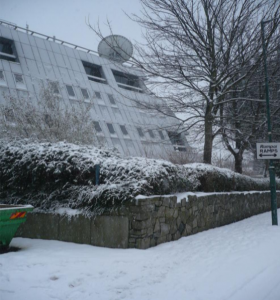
{"points": [[30, 60]]}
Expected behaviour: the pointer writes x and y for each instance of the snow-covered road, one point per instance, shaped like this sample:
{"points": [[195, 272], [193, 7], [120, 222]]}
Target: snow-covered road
{"points": [[239, 261]]}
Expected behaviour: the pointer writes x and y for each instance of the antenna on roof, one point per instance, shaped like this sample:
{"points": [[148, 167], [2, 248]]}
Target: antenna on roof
{"points": [[116, 47]]}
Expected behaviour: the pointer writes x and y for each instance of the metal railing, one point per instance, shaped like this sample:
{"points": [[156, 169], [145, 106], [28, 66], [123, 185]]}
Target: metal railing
{"points": [[95, 78], [46, 37], [53, 38], [130, 87]]}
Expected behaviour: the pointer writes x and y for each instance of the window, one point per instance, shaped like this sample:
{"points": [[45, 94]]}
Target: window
{"points": [[2, 77], [111, 128], [140, 132], [177, 140], [70, 91], [161, 134], [7, 50], [54, 87], [112, 99], [151, 134], [97, 126], [48, 120], [85, 93], [123, 129], [18, 78], [94, 72], [180, 148], [9, 115], [127, 81], [98, 95]]}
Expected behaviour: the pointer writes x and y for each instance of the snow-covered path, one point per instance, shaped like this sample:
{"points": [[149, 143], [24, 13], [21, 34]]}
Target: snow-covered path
{"points": [[239, 261]]}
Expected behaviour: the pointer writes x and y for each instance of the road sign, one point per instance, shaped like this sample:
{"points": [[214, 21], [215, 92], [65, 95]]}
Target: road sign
{"points": [[268, 150]]}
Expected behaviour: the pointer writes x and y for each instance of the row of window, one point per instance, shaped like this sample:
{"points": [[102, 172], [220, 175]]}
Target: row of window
{"points": [[55, 89], [54, 86], [71, 93], [9, 116], [124, 130], [93, 71], [124, 80], [18, 78]]}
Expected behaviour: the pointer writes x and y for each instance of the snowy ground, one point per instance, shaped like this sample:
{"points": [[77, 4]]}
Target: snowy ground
{"points": [[239, 261]]}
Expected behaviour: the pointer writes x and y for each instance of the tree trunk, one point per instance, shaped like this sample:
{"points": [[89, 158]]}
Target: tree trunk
{"points": [[208, 131], [238, 163]]}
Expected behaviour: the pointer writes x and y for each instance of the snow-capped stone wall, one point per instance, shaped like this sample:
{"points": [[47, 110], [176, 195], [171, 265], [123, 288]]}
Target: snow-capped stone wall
{"points": [[148, 221], [156, 220]]}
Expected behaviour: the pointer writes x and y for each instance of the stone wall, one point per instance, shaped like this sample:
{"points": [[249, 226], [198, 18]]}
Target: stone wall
{"points": [[157, 220], [148, 222], [104, 231]]}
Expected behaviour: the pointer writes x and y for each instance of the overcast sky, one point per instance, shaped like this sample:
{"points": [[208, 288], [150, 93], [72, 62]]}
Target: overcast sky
{"points": [[66, 18]]}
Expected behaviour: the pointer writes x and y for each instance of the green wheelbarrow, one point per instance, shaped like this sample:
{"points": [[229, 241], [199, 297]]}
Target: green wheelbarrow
{"points": [[11, 216]]}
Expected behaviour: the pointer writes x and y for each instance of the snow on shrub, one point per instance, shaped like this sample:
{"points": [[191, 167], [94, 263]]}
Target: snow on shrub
{"points": [[213, 179], [52, 175]]}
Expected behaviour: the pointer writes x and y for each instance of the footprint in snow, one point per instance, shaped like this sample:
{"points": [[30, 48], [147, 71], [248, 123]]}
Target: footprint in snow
{"points": [[54, 278], [75, 283]]}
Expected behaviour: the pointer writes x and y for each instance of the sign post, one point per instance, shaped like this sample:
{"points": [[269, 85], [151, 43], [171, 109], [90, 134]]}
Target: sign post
{"points": [[270, 151], [271, 167]]}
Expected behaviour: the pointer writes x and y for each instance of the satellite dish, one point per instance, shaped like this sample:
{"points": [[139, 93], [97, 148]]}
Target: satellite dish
{"points": [[116, 47]]}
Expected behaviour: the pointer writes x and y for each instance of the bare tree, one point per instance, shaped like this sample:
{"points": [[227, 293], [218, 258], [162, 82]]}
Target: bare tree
{"points": [[192, 55], [243, 119], [47, 118]]}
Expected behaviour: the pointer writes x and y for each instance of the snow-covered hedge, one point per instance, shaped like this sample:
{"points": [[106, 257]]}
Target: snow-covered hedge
{"points": [[51, 175]]}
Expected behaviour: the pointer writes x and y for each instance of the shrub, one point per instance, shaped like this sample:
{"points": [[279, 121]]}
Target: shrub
{"points": [[51, 175]]}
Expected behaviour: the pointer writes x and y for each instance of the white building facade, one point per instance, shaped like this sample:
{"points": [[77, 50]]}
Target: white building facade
{"points": [[29, 60]]}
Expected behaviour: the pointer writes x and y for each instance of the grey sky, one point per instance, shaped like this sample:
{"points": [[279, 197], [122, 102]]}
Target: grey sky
{"points": [[66, 18]]}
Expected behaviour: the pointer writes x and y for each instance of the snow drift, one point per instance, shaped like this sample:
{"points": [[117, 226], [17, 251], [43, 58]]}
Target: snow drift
{"points": [[52, 175]]}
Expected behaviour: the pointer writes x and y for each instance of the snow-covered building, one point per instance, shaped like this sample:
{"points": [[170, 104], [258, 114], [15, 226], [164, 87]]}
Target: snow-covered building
{"points": [[30, 60]]}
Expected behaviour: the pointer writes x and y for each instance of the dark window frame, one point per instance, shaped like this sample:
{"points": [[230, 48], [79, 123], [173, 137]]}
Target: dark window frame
{"points": [[86, 90], [22, 81], [111, 99], [72, 88], [140, 132], [98, 95], [97, 127], [175, 138], [127, 81], [3, 78], [48, 120], [151, 133], [94, 72], [124, 130], [161, 134], [8, 50], [54, 87], [111, 128], [9, 115]]}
